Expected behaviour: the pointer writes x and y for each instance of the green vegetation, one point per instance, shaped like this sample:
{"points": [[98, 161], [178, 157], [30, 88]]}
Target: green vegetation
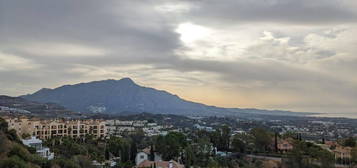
{"points": [[306, 155], [349, 142], [81, 151], [170, 145], [195, 149], [13, 153], [198, 149], [261, 139], [354, 155]]}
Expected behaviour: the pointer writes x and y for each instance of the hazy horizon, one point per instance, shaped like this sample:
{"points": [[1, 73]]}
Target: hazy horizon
{"points": [[296, 55]]}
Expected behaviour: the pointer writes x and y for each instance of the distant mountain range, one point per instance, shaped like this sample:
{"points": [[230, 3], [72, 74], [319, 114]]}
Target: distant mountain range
{"points": [[125, 96]]}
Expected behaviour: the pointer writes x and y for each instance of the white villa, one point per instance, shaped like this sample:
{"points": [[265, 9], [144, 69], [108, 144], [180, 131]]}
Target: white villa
{"points": [[40, 150]]}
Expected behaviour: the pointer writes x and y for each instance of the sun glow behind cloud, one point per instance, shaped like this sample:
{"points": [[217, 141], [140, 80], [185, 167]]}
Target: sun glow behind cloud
{"points": [[292, 54], [190, 33]]}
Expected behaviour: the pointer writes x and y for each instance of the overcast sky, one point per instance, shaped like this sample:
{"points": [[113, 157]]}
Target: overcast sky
{"points": [[296, 55]]}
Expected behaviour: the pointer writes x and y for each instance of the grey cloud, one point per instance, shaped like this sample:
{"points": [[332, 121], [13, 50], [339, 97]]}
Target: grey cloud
{"points": [[134, 33], [122, 26], [275, 11]]}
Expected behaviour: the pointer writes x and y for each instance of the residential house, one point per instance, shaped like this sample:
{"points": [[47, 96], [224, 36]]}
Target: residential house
{"points": [[40, 150]]}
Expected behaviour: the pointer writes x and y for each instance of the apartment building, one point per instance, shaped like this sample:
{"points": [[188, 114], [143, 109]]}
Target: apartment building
{"points": [[45, 129], [118, 127]]}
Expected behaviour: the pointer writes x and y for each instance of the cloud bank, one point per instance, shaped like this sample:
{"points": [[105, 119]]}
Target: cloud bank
{"points": [[277, 54]]}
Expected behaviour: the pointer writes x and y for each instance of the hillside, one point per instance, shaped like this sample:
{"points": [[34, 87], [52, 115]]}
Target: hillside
{"points": [[18, 105]]}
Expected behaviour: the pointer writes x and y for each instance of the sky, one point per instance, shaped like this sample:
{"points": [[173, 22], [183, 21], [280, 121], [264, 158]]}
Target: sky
{"points": [[297, 55]]}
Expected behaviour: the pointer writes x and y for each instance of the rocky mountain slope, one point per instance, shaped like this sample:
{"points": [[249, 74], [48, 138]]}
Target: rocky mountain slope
{"points": [[125, 96]]}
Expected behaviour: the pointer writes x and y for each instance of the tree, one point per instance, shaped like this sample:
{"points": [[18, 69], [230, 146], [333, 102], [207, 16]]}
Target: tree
{"points": [[125, 152], [189, 156], [238, 145], [213, 163], [12, 135], [21, 152], [152, 153], [306, 154], [25, 135], [262, 139], [82, 161], [296, 158], [170, 145], [64, 162], [326, 158], [215, 138], [3, 125], [354, 155], [202, 151], [13, 161], [350, 142], [115, 145], [138, 136], [133, 151], [221, 138], [225, 137]]}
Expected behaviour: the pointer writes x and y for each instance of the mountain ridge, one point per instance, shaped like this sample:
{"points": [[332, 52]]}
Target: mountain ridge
{"points": [[117, 96]]}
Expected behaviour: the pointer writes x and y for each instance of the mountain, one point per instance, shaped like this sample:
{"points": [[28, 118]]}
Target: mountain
{"points": [[125, 96], [18, 105]]}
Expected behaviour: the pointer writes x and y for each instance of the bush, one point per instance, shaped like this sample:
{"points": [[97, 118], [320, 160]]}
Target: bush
{"points": [[12, 136], [20, 151], [65, 163], [13, 161]]}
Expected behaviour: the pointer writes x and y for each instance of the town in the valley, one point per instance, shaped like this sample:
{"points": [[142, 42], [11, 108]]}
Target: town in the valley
{"points": [[158, 140]]}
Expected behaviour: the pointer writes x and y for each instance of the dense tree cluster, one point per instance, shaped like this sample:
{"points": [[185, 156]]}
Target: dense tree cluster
{"points": [[171, 145], [306, 155]]}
